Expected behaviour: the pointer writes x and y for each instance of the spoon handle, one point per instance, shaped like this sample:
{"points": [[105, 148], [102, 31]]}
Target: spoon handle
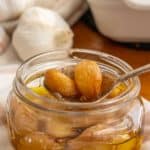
{"points": [[138, 71]]}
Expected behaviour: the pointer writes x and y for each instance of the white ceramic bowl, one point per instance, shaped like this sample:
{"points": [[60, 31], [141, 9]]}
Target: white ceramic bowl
{"points": [[123, 20]]}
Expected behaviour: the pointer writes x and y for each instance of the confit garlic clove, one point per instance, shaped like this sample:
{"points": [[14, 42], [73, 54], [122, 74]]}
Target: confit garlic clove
{"points": [[118, 90], [60, 128], [88, 78], [56, 81], [42, 91], [25, 120]]}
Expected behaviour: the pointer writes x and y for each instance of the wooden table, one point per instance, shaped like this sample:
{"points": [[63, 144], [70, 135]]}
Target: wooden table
{"points": [[85, 37]]}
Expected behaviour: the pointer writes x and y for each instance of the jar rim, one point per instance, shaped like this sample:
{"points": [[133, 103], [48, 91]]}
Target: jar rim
{"points": [[92, 105]]}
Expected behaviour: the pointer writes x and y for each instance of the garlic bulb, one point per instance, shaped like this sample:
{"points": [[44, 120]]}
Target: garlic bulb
{"points": [[41, 30], [70, 10], [64, 7], [4, 40], [10, 9]]}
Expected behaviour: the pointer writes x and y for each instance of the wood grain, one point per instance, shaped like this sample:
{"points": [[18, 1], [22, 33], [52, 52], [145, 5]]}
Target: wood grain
{"points": [[85, 37]]}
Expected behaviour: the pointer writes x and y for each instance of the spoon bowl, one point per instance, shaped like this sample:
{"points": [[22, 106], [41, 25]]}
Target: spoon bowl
{"points": [[116, 82]]}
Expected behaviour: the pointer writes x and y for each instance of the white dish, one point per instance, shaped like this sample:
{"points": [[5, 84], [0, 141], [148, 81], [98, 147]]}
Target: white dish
{"points": [[122, 20]]}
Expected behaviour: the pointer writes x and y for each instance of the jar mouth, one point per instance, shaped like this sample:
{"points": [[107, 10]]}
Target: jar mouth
{"points": [[21, 89]]}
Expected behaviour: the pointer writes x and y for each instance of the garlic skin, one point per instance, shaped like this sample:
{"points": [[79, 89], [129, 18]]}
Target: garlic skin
{"points": [[10, 9], [41, 30]]}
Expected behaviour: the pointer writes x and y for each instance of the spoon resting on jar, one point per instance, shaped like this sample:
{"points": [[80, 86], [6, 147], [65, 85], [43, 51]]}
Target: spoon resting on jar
{"points": [[122, 78]]}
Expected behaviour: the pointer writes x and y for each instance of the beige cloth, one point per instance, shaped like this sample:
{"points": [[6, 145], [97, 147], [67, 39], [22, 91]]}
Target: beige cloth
{"points": [[9, 56]]}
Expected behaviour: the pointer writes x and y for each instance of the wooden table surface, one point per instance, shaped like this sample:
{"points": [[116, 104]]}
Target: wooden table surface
{"points": [[85, 37]]}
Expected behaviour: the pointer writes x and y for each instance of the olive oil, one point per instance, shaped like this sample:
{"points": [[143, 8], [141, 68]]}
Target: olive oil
{"points": [[41, 141], [131, 144]]}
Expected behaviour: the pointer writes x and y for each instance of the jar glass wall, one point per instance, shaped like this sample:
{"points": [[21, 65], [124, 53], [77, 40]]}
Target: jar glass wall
{"points": [[41, 123]]}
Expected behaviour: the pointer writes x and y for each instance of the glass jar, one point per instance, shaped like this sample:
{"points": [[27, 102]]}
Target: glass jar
{"points": [[40, 123]]}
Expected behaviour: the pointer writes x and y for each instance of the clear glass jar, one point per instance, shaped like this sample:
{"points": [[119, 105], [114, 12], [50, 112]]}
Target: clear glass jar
{"points": [[40, 123]]}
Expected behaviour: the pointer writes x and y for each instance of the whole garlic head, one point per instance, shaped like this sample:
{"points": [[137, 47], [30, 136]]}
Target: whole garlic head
{"points": [[41, 30], [10, 9]]}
